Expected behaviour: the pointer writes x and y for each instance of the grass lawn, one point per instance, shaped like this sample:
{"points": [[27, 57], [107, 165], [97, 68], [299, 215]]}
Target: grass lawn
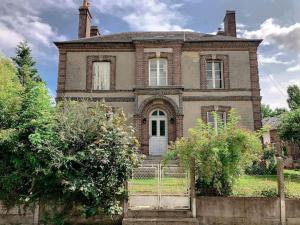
{"points": [[245, 186], [255, 185]]}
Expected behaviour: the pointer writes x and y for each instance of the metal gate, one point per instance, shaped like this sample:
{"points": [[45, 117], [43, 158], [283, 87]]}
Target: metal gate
{"points": [[159, 187]]}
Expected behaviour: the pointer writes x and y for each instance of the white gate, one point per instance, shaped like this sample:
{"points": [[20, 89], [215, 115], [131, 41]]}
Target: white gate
{"points": [[159, 187]]}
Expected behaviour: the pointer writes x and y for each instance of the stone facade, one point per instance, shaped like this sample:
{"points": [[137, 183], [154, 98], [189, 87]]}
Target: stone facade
{"points": [[186, 97]]}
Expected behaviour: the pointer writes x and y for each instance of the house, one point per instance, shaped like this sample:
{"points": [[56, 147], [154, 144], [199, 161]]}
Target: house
{"points": [[289, 150], [164, 81]]}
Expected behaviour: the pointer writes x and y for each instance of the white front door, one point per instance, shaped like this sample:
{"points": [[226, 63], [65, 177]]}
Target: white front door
{"points": [[158, 141]]}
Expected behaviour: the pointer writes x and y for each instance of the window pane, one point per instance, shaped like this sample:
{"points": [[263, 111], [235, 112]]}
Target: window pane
{"points": [[211, 119], [162, 127], [210, 84], [162, 72], [154, 127], [222, 116], [219, 84], [209, 75], [155, 113], [218, 75], [153, 72], [217, 65], [161, 113], [209, 66]]}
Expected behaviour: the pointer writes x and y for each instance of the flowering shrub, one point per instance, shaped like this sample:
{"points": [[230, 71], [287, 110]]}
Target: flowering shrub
{"points": [[221, 154]]}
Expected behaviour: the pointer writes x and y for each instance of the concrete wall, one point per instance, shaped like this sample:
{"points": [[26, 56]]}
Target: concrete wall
{"points": [[18, 216], [192, 111], [77, 63], [239, 68], [210, 211], [246, 211]]}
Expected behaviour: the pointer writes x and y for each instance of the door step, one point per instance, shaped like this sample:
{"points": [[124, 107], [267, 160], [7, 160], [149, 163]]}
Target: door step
{"points": [[160, 221]]}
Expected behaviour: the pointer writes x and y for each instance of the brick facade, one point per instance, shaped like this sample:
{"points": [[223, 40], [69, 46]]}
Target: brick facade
{"points": [[141, 98]]}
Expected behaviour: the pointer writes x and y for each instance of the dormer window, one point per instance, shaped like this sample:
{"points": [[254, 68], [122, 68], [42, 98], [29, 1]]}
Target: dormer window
{"points": [[101, 75], [158, 72], [214, 74]]}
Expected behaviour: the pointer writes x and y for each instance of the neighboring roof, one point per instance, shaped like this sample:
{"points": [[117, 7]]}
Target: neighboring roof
{"points": [[185, 36], [272, 122]]}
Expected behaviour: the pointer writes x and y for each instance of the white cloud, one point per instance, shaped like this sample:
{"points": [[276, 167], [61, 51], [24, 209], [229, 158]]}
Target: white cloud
{"points": [[21, 20], [144, 15], [294, 68], [272, 60], [286, 37]]}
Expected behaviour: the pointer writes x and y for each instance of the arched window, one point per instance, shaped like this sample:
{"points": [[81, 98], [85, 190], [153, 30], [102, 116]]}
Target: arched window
{"points": [[158, 72]]}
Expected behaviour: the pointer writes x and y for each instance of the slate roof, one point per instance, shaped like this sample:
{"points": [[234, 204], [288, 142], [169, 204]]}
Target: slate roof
{"points": [[272, 122], [185, 36]]}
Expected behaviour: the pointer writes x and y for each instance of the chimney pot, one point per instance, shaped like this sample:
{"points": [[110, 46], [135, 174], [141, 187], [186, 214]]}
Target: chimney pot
{"points": [[94, 31], [230, 23]]}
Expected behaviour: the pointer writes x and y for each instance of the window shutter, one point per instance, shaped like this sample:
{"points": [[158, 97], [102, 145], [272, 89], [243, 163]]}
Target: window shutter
{"points": [[101, 75]]}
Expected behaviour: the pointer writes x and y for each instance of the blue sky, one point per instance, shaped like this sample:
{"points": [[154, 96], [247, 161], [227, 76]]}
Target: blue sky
{"points": [[276, 21]]}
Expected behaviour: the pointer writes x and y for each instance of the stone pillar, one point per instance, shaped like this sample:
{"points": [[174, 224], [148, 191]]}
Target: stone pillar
{"points": [[280, 180], [125, 203], [36, 215], [193, 191]]}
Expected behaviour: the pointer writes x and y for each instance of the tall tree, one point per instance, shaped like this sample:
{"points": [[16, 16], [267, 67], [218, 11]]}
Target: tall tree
{"points": [[294, 97], [25, 64], [267, 111], [290, 126]]}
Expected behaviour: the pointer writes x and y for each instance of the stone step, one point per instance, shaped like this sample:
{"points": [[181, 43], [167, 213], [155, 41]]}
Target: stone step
{"points": [[160, 221], [159, 214]]}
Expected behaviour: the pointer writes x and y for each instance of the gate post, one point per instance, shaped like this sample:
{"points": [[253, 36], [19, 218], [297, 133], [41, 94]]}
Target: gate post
{"points": [[192, 187], [125, 203], [280, 180]]}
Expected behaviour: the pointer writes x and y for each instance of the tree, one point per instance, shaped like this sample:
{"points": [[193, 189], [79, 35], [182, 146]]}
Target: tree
{"points": [[294, 97], [93, 154], [25, 64], [268, 112], [10, 93], [289, 128], [221, 154], [19, 159]]}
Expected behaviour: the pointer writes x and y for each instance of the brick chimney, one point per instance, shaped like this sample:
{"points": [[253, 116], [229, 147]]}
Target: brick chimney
{"points": [[230, 24], [85, 20], [94, 31]]}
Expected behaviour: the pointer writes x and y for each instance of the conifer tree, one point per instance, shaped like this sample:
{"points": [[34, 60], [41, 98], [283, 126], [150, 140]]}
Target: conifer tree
{"points": [[25, 64]]}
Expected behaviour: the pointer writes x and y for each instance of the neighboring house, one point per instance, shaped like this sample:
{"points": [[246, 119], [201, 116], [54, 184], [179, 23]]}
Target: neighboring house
{"points": [[289, 150], [163, 81]]}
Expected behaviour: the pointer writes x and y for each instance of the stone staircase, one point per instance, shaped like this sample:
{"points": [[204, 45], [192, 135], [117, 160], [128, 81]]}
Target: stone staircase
{"points": [[159, 217]]}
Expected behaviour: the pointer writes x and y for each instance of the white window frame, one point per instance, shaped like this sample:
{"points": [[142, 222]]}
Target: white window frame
{"points": [[158, 72], [213, 71], [101, 88], [215, 119]]}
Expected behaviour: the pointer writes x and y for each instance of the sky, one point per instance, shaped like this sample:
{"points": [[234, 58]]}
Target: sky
{"points": [[41, 22]]}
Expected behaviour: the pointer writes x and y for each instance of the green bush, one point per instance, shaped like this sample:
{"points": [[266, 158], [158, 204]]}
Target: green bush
{"points": [[266, 165], [221, 155]]}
